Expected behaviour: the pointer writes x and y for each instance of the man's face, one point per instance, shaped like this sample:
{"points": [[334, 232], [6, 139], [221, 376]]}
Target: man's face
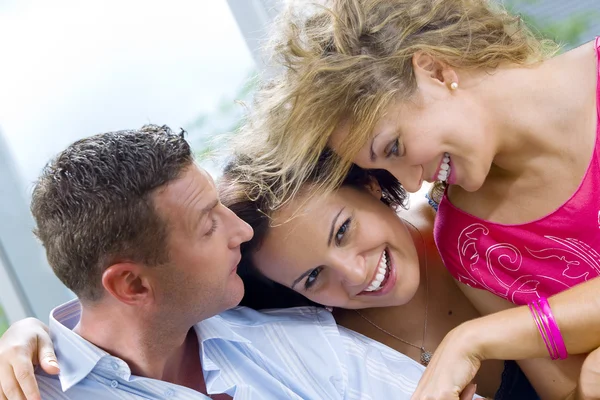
{"points": [[204, 240]]}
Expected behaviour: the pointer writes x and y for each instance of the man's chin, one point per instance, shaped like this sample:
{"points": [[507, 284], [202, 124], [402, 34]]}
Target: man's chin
{"points": [[235, 290]]}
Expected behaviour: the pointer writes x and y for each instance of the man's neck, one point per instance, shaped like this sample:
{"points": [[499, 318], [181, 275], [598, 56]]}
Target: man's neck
{"points": [[152, 347]]}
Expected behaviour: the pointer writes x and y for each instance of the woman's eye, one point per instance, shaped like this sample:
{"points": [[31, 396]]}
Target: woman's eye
{"points": [[394, 150], [312, 277], [339, 236]]}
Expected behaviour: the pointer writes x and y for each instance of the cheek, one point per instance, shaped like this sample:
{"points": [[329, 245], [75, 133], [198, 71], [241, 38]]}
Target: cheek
{"points": [[329, 295]]}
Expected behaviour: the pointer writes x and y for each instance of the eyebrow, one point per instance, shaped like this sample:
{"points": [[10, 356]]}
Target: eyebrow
{"points": [[205, 211], [308, 271], [304, 275]]}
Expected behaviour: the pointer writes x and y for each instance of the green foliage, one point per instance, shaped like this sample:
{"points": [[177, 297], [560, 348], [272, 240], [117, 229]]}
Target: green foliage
{"points": [[206, 129], [3, 322], [567, 31]]}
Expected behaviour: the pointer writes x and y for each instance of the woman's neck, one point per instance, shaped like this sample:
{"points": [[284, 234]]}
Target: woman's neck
{"points": [[533, 111]]}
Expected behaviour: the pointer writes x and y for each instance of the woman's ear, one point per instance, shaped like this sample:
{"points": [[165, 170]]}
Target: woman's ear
{"points": [[431, 72], [374, 188]]}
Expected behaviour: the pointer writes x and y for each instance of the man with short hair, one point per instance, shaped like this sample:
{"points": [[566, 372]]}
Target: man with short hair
{"points": [[136, 230]]}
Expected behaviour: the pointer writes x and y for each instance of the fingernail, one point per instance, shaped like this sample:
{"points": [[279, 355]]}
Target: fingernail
{"points": [[53, 363]]}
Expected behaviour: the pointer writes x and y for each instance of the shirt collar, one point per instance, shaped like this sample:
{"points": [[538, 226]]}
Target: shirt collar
{"points": [[221, 328], [76, 356]]}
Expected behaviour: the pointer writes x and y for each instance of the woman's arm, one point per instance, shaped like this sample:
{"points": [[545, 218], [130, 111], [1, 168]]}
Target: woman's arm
{"points": [[510, 335], [25, 344], [552, 380]]}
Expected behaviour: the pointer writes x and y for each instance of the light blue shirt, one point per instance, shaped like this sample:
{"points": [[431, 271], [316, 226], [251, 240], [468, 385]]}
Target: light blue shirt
{"points": [[297, 353]]}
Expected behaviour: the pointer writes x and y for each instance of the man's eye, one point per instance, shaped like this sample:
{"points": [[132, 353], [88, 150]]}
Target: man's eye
{"points": [[312, 277], [339, 236], [213, 227]]}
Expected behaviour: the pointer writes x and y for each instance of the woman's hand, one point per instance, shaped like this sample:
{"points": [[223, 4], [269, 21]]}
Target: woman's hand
{"points": [[452, 368], [589, 381], [25, 344]]}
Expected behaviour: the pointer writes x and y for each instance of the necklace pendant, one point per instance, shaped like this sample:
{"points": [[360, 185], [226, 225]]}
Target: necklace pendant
{"points": [[425, 357]]}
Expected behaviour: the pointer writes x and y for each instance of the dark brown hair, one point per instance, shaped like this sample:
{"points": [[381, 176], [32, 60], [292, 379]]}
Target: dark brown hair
{"points": [[93, 203]]}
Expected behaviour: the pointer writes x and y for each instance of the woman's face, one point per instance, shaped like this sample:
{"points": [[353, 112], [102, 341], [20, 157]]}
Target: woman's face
{"points": [[437, 130], [347, 250]]}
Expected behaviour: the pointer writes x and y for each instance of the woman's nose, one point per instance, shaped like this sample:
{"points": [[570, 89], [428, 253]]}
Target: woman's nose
{"points": [[410, 176], [352, 270]]}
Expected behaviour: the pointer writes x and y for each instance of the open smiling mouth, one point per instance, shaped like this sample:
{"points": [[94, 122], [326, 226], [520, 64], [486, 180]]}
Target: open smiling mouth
{"points": [[382, 274]]}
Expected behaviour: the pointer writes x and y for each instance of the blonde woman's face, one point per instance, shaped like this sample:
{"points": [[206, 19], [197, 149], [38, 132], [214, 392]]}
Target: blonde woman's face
{"points": [[346, 250], [417, 141]]}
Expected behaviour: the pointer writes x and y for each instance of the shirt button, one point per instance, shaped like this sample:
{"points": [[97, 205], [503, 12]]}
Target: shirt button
{"points": [[169, 392], [115, 366], [114, 384]]}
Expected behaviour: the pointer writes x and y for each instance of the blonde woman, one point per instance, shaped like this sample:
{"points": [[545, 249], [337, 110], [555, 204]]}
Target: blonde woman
{"points": [[458, 91]]}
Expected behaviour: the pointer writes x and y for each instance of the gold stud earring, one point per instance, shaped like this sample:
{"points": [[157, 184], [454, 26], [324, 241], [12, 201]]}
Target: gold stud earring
{"points": [[454, 85]]}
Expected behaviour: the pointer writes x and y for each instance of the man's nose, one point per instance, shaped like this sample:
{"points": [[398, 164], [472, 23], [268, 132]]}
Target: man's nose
{"points": [[240, 231]]}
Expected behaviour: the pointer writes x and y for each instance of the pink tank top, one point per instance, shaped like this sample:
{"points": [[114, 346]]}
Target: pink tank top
{"points": [[527, 261]]}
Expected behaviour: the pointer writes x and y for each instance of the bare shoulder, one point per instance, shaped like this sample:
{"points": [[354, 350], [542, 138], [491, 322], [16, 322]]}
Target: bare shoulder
{"points": [[583, 60]]}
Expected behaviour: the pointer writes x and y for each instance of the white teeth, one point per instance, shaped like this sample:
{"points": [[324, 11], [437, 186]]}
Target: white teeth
{"points": [[444, 168], [375, 285], [380, 276]]}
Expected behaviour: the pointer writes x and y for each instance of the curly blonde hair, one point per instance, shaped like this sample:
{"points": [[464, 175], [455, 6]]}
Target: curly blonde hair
{"points": [[346, 61]]}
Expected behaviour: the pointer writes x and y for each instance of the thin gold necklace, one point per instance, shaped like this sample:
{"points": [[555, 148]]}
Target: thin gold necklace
{"points": [[425, 355]]}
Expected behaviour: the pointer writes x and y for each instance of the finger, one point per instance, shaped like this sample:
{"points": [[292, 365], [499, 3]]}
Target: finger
{"points": [[469, 392], [47, 357], [50, 366], [9, 385], [45, 353], [588, 387], [25, 375]]}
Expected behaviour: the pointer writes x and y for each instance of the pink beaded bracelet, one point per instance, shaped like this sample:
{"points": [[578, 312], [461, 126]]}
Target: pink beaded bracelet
{"points": [[548, 328]]}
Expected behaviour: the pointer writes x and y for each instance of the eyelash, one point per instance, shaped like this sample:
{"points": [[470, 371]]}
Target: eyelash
{"points": [[342, 231], [393, 152], [213, 228], [312, 277]]}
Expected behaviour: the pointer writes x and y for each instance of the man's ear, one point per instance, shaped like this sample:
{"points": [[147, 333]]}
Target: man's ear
{"points": [[431, 71], [128, 283], [374, 188]]}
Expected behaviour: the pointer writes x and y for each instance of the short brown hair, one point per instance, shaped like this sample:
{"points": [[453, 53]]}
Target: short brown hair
{"points": [[93, 206]]}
